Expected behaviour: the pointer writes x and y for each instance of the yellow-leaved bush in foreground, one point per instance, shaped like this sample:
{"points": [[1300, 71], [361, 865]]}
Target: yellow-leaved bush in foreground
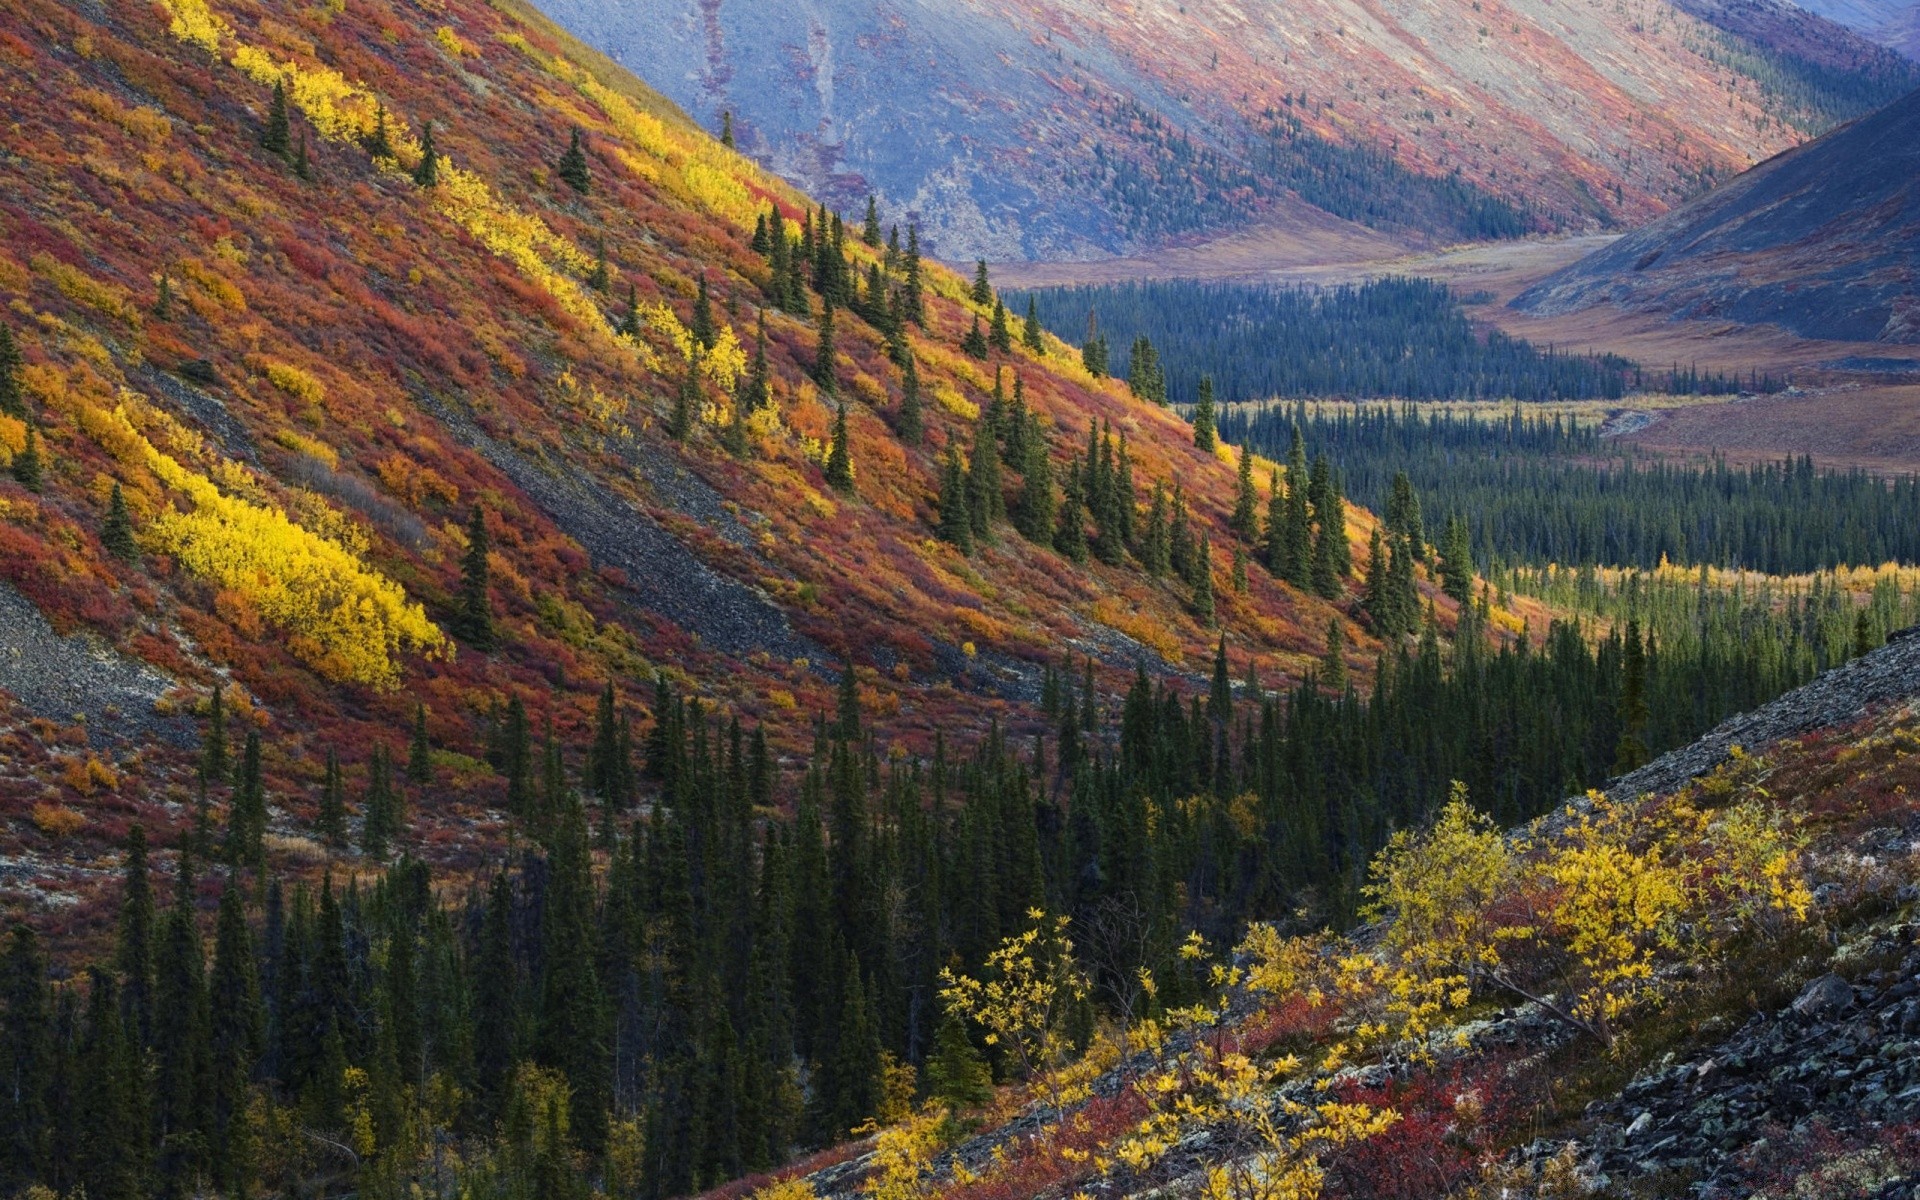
{"points": [[343, 618]]}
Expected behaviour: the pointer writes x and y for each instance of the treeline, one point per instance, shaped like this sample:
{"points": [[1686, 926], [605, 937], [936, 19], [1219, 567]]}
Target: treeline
{"points": [[1367, 184], [1800, 90], [1547, 489], [647, 1005], [1390, 338], [1159, 182]]}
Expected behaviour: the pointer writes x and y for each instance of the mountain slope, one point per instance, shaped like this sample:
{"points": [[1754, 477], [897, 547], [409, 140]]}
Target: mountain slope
{"points": [[1765, 1050], [1054, 128], [305, 386], [1823, 241]]}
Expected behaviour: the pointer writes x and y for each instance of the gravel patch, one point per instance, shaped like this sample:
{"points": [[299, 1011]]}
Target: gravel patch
{"points": [[60, 678]]}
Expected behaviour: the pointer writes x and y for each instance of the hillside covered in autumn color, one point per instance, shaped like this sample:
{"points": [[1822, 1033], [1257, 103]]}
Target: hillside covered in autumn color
{"points": [[1060, 129], [273, 355]]}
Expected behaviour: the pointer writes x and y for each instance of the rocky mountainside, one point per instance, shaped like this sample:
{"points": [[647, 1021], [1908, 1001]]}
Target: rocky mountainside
{"points": [[1018, 129], [1823, 241], [293, 291]]}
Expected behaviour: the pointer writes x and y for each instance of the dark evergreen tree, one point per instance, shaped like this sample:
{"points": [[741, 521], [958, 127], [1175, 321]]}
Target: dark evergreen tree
{"points": [[686, 401], [912, 416], [473, 617], [331, 822], [110, 1116], [573, 165], [1000, 336], [705, 332], [957, 1074], [426, 173], [974, 344], [1070, 539], [1030, 329], [726, 129], [1246, 505], [380, 811], [276, 136], [824, 373], [870, 228], [27, 471], [982, 289], [12, 402], [1203, 582], [986, 504], [956, 514], [302, 170], [376, 141], [247, 817], [419, 748], [839, 469], [116, 532], [134, 947], [1203, 432], [1631, 751], [27, 1061], [237, 1033], [1034, 513], [1456, 560]]}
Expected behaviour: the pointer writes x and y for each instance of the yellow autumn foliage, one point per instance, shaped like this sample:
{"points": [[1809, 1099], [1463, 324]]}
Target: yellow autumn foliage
{"points": [[345, 619]]}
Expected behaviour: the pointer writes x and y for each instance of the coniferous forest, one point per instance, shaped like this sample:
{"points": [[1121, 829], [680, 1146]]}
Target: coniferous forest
{"points": [[1400, 338], [1547, 488]]}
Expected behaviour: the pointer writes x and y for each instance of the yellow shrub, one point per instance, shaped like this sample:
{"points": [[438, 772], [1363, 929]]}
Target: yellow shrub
{"points": [[108, 299], [341, 617], [57, 820], [294, 381], [89, 775], [299, 443], [452, 42]]}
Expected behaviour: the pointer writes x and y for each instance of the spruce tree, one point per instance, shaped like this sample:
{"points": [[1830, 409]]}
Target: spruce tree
{"points": [[1030, 331], [824, 374], [1376, 594], [276, 136], [237, 1035], [247, 816], [1296, 565], [1155, 550], [1070, 539], [419, 749], [573, 165], [1203, 432], [380, 817], [957, 1075], [110, 1117], [1246, 505], [426, 173], [915, 288], [1333, 663], [1203, 582], [956, 515], [1456, 560], [180, 1039], [839, 469], [1631, 752], [26, 1060], [974, 344], [572, 1036], [982, 289], [331, 822], [116, 532], [302, 170], [726, 129], [599, 279], [473, 617], [705, 332], [870, 228], [376, 141], [986, 506], [163, 300], [26, 464], [1000, 337], [912, 416], [1034, 513], [686, 401], [12, 402], [134, 947]]}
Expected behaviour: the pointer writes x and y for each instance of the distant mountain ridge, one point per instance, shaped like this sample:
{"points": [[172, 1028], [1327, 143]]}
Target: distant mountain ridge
{"points": [[1034, 129], [1823, 240]]}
